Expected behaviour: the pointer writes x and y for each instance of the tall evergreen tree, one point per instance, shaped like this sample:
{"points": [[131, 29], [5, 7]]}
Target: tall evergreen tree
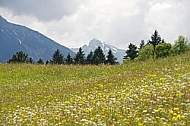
{"points": [[80, 58], [155, 40], [47, 61], [142, 44], [132, 52], [30, 60], [163, 41], [57, 58], [69, 59], [99, 56], [40, 61], [111, 58], [89, 58]]}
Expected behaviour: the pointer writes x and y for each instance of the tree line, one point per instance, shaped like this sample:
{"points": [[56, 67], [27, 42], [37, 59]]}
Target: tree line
{"points": [[97, 57], [156, 48], [153, 49]]}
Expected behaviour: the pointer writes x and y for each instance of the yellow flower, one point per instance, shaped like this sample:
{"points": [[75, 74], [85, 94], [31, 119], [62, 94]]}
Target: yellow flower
{"points": [[176, 109], [144, 86], [67, 102], [10, 116], [100, 85], [127, 123], [162, 79], [174, 118], [180, 94], [171, 111], [159, 84], [146, 93], [175, 114], [99, 94], [152, 75], [160, 109], [182, 117]]}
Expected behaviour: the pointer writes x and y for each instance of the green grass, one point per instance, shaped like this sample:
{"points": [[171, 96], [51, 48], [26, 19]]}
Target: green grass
{"points": [[137, 93]]}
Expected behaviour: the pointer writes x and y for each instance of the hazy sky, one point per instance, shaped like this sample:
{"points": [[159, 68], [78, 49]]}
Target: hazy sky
{"points": [[74, 23]]}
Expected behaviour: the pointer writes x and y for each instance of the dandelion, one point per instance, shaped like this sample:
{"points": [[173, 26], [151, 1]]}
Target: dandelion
{"points": [[176, 109], [147, 93], [100, 85], [160, 109], [171, 112], [174, 118], [66, 102]]}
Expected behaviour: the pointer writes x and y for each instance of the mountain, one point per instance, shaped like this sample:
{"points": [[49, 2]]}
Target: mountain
{"points": [[14, 38], [94, 43]]}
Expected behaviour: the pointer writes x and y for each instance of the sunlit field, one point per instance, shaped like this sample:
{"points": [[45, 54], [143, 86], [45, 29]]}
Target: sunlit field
{"points": [[138, 93]]}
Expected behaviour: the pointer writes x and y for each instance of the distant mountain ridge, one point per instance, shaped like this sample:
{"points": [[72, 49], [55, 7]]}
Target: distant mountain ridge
{"points": [[14, 38], [94, 43]]}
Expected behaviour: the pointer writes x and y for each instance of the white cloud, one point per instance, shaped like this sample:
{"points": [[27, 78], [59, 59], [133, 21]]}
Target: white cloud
{"points": [[117, 22], [170, 18]]}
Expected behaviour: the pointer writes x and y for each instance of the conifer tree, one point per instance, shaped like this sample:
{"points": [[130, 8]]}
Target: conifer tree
{"points": [[80, 58], [57, 58], [155, 40], [142, 44], [30, 60], [99, 56], [40, 61], [89, 58], [69, 59], [47, 61], [111, 58], [132, 52]]}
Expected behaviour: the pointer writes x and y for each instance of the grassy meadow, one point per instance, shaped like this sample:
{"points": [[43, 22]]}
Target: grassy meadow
{"points": [[137, 93]]}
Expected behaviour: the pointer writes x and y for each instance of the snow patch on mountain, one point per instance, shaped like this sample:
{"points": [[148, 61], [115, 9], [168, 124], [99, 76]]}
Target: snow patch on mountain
{"points": [[14, 32], [19, 41]]}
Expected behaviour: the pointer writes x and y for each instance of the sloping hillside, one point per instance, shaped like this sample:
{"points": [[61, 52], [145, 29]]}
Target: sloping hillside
{"points": [[155, 92]]}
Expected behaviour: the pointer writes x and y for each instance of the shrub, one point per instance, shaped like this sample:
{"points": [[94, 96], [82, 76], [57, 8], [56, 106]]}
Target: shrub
{"points": [[163, 50]]}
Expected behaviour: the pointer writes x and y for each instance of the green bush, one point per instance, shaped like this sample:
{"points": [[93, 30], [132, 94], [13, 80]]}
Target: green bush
{"points": [[180, 45], [145, 53], [163, 50]]}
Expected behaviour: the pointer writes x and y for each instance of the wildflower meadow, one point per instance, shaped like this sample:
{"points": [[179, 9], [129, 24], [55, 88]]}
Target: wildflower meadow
{"points": [[155, 92]]}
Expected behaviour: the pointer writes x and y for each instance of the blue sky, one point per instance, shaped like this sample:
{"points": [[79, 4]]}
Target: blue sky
{"points": [[74, 23]]}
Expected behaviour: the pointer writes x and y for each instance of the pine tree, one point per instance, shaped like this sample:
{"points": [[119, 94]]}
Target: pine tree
{"points": [[40, 61], [80, 58], [99, 56], [111, 58], [132, 52], [155, 40], [57, 58], [89, 58], [69, 59], [142, 44], [47, 61], [30, 60]]}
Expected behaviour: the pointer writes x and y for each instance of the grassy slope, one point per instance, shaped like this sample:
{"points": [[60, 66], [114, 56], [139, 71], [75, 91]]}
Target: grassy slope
{"points": [[144, 93]]}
